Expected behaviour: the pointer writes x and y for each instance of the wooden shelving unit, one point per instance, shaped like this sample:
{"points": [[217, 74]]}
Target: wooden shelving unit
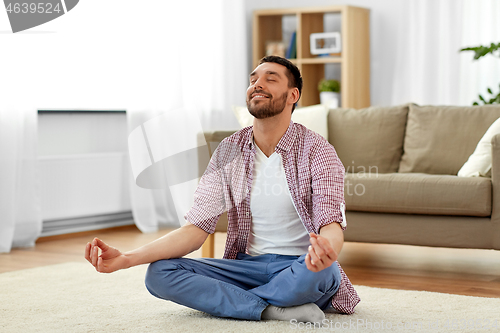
{"points": [[354, 60]]}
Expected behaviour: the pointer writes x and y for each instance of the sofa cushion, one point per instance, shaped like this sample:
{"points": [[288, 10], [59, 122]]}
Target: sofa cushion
{"points": [[368, 139], [439, 139], [418, 193]]}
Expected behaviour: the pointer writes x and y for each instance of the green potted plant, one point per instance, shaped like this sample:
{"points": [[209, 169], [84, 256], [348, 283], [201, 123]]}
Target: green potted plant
{"points": [[481, 51], [329, 93]]}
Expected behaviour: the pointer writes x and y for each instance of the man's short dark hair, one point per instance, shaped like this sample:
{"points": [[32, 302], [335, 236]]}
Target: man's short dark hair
{"points": [[292, 73]]}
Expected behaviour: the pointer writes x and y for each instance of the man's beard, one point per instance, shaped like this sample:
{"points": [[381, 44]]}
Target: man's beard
{"points": [[269, 109]]}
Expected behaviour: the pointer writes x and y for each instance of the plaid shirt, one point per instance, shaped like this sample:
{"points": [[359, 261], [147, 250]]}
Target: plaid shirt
{"points": [[315, 177]]}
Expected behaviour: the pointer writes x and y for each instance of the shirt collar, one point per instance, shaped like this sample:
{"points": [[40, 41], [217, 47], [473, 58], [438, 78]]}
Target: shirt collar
{"points": [[287, 139], [285, 142]]}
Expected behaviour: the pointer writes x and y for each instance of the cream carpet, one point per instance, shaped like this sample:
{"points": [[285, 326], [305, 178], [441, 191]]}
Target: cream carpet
{"points": [[72, 297]]}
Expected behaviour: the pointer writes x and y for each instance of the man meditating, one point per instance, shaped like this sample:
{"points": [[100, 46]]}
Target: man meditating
{"points": [[283, 188]]}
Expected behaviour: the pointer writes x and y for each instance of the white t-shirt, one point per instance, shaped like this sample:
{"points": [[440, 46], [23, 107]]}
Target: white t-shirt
{"points": [[276, 226]]}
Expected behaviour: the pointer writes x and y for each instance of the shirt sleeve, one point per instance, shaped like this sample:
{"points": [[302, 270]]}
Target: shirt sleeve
{"points": [[327, 187], [209, 203]]}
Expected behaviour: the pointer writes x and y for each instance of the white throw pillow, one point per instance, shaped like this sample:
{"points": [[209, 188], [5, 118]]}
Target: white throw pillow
{"points": [[313, 117], [244, 117], [479, 163]]}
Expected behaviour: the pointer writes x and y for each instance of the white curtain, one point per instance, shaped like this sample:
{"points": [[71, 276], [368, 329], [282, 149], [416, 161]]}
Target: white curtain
{"points": [[429, 67], [427, 58], [20, 214], [207, 75]]}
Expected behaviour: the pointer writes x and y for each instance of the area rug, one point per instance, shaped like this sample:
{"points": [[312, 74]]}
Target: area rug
{"points": [[72, 297]]}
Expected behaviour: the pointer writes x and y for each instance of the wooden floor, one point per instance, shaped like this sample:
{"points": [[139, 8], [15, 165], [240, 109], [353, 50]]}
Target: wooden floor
{"points": [[455, 271]]}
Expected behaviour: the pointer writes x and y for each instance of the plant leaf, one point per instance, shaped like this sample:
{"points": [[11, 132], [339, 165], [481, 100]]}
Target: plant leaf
{"points": [[481, 51]]}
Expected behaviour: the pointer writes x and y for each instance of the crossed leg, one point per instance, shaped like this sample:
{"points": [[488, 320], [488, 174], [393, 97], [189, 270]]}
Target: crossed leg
{"points": [[244, 287]]}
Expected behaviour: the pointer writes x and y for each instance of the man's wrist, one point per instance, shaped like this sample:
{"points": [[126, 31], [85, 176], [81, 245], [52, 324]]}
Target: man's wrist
{"points": [[130, 259]]}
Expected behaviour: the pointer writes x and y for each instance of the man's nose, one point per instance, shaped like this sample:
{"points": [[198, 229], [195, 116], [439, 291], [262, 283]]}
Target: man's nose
{"points": [[259, 84]]}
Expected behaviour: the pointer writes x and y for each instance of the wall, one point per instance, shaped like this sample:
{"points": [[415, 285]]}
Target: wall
{"points": [[385, 18]]}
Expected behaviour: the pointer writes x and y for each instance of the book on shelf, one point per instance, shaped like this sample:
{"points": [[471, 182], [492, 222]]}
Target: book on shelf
{"points": [[291, 52]]}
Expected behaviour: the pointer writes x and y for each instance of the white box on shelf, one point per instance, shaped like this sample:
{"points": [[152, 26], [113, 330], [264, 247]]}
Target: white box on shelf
{"points": [[325, 42]]}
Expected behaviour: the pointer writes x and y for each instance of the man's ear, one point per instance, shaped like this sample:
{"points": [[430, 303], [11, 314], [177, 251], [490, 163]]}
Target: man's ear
{"points": [[294, 95]]}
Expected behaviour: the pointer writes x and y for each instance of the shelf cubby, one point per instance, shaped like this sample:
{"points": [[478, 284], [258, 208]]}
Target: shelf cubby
{"points": [[354, 58]]}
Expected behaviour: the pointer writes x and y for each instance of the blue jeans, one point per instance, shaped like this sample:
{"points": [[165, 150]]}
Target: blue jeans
{"points": [[244, 287]]}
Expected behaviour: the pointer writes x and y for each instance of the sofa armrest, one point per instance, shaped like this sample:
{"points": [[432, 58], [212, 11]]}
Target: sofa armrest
{"points": [[495, 167], [213, 138], [495, 183], [217, 136]]}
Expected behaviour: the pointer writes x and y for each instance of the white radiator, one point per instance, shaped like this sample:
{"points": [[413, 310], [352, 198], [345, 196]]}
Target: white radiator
{"points": [[84, 192]]}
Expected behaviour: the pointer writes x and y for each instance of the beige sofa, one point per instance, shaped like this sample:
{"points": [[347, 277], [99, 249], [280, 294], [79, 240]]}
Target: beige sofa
{"points": [[401, 183]]}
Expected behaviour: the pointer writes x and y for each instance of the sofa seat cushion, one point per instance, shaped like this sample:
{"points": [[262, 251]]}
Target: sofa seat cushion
{"points": [[417, 193]]}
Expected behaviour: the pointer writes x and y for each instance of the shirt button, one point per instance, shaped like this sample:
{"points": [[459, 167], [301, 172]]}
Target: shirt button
{"points": [[248, 214]]}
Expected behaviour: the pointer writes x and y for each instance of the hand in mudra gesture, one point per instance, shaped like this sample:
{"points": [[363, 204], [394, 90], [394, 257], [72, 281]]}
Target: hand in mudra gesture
{"points": [[110, 260], [320, 254]]}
